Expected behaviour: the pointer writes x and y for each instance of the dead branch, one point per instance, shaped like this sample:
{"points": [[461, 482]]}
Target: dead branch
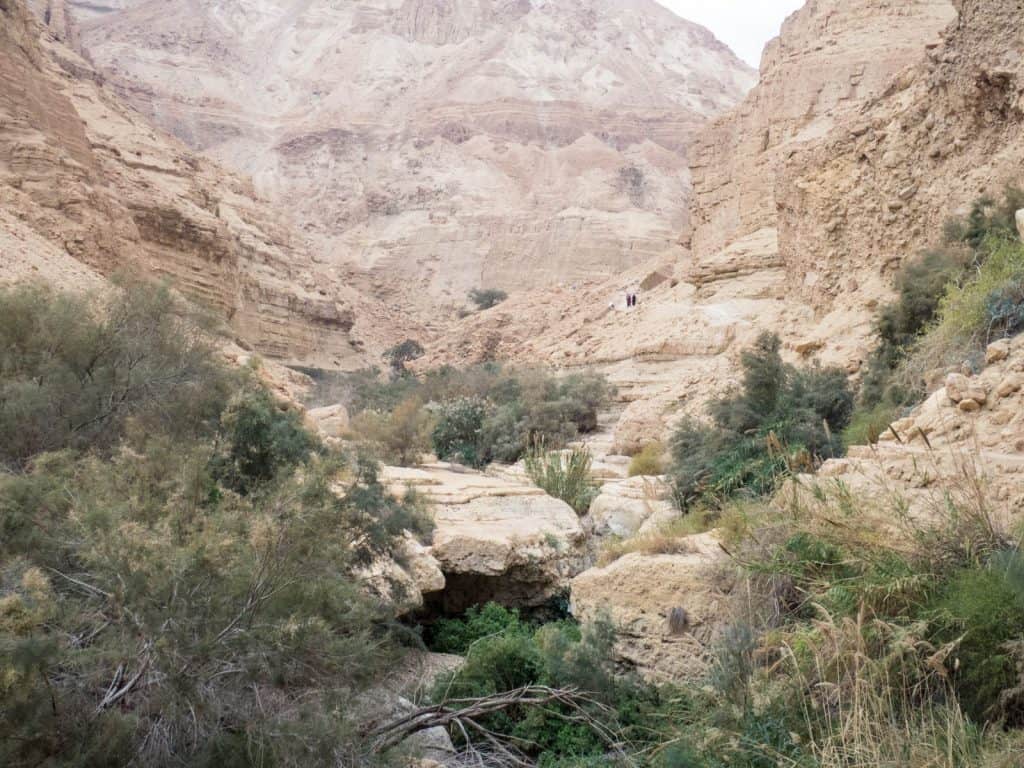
{"points": [[465, 714]]}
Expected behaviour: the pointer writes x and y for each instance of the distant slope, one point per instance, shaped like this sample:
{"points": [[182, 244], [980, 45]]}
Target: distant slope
{"points": [[88, 188], [445, 144]]}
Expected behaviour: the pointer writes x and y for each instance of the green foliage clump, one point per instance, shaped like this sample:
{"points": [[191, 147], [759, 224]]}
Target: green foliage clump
{"points": [[478, 623], [259, 441], [74, 370], [400, 354], [982, 610], [486, 298], [479, 414], [178, 587], [457, 434], [782, 416], [565, 475], [560, 655]]}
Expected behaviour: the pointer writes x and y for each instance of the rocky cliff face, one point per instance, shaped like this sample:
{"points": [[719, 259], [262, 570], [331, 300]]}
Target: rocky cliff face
{"points": [[88, 188], [882, 185], [441, 144], [761, 253]]}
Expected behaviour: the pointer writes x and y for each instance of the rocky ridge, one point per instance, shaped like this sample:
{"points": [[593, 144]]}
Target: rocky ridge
{"points": [[439, 145], [759, 256], [88, 188]]}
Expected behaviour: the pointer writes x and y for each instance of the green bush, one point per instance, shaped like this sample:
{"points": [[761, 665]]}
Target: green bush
{"points": [[400, 354], [983, 610], [259, 441], [74, 370], [564, 475], [780, 418], [155, 609], [486, 298], [458, 635], [457, 434]]}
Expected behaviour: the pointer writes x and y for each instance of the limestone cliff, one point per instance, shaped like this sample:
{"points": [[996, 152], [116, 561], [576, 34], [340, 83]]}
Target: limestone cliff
{"points": [[948, 131], [89, 188], [441, 144], [762, 252]]}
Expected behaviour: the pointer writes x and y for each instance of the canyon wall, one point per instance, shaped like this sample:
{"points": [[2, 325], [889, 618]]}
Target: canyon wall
{"points": [[439, 145], [87, 187]]}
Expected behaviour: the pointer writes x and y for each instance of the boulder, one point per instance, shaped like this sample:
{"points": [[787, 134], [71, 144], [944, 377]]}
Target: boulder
{"points": [[405, 579], [329, 421], [516, 550], [997, 351], [956, 386], [624, 506], [1009, 385], [969, 405], [666, 608]]}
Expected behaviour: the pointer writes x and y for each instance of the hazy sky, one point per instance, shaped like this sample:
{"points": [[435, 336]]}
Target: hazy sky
{"points": [[743, 25]]}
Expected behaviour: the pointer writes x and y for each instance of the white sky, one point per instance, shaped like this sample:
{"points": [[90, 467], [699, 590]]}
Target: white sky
{"points": [[743, 25]]}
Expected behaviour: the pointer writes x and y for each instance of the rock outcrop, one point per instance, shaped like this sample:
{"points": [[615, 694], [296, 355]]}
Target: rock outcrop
{"points": [[441, 145], [964, 444], [762, 253], [666, 609], [495, 538], [89, 188]]}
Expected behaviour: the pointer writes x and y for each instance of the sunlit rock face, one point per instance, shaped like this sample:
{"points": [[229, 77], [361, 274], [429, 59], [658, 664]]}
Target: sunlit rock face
{"points": [[441, 144]]}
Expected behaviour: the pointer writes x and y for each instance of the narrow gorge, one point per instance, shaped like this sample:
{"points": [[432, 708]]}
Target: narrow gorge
{"points": [[510, 383]]}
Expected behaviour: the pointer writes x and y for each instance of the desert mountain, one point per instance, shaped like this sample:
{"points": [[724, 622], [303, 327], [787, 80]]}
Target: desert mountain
{"points": [[89, 189], [762, 256], [439, 144]]}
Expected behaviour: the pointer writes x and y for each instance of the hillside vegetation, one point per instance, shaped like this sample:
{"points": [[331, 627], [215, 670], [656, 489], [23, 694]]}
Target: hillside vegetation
{"points": [[176, 565]]}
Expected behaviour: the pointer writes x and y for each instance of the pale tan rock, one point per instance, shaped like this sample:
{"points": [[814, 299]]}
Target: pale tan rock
{"points": [[1020, 223], [969, 405], [956, 386], [997, 351], [638, 592], [330, 420], [625, 506], [1012, 383]]}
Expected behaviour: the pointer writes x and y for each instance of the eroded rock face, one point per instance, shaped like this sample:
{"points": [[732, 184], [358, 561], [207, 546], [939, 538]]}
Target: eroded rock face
{"points": [[107, 193], [495, 538], [666, 608], [965, 443], [758, 259], [446, 144]]}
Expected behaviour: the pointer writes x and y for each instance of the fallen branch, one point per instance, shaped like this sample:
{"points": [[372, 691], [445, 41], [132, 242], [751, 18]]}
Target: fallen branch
{"points": [[466, 714]]}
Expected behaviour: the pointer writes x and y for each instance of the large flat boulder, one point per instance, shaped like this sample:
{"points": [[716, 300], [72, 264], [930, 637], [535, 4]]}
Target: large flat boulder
{"points": [[666, 608]]}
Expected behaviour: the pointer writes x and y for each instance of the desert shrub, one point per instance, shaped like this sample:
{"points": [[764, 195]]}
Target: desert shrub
{"points": [[486, 298], [457, 434], [982, 609], [177, 591], [75, 369], [400, 354], [988, 217], [564, 475], [259, 440], [562, 655], [458, 635], [781, 417], [399, 437], [650, 461]]}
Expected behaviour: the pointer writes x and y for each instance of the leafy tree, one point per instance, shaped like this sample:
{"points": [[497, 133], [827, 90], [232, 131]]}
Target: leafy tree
{"points": [[400, 354], [486, 298], [782, 416]]}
